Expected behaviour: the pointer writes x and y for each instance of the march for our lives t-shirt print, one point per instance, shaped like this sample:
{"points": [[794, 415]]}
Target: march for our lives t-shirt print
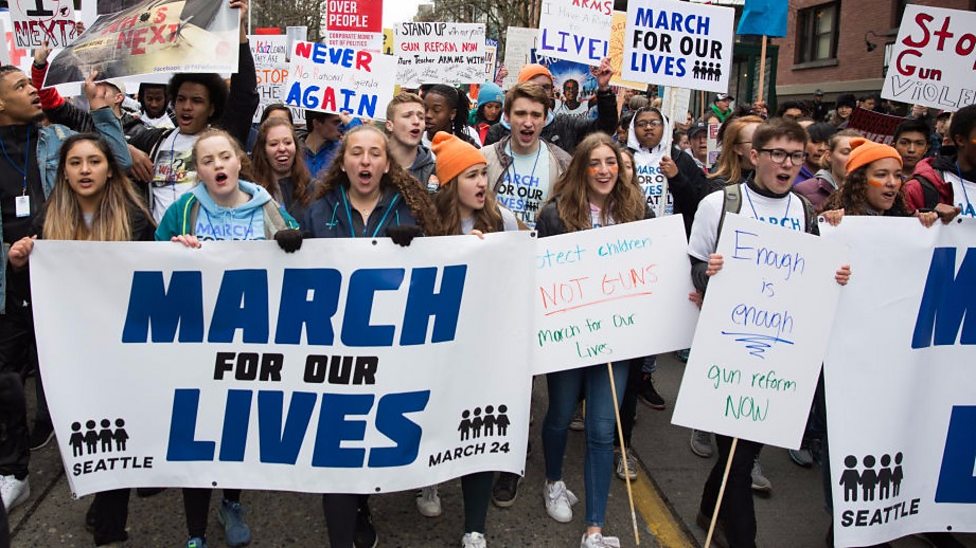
{"points": [[525, 184], [651, 180]]}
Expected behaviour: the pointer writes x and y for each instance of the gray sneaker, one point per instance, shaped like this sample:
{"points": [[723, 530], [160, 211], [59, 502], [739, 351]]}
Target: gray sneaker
{"points": [[701, 444], [760, 482]]}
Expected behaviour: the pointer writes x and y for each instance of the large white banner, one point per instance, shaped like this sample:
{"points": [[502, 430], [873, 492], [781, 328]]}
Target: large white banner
{"points": [[900, 378], [337, 80], [762, 334], [351, 366], [575, 31], [439, 53], [678, 44], [611, 294], [932, 62]]}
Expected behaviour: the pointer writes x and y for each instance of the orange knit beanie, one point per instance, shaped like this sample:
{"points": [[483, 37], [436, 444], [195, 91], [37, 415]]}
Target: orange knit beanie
{"points": [[530, 71], [864, 151], [453, 156]]}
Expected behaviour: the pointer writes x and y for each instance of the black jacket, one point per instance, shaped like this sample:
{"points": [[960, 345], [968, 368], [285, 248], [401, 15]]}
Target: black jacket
{"points": [[566, 130]]}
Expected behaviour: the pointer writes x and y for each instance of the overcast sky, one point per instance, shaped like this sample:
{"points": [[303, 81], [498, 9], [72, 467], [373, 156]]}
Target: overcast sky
{"points": [[395, 11]]}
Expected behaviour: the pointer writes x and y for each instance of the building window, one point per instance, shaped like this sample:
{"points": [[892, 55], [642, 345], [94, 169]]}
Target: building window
{"points": [[816, 33]]}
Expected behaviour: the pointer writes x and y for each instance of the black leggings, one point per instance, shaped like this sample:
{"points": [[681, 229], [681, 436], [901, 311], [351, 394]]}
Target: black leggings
{"points": [[628, 406], [476, 489], [196, 505], [737, 512], [4, 528], [111, 509]]}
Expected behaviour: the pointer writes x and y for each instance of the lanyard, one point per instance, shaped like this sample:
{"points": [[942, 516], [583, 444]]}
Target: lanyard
{"points": [[379, 226], [962, 185], [756, 215], [23, 172]]}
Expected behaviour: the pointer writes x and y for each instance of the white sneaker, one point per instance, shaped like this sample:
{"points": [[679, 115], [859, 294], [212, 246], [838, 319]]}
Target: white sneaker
{"points": [[631, 466], [13, 491], [474, 540], [428, 502], [559, 501], [597, 540]]}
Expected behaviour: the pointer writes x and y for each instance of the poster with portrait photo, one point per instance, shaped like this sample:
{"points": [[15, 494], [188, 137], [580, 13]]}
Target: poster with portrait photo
{"points": [[574, 86]]}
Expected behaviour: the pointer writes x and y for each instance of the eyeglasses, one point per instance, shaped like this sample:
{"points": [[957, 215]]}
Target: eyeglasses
{"points": [[778, 155], [643, 124]]}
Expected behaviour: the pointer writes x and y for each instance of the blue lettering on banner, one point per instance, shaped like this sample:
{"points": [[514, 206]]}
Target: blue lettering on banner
{"points": [[948, 301], [592, 48], [281, 443], [242, 304], [957, 483], [674, 22]]}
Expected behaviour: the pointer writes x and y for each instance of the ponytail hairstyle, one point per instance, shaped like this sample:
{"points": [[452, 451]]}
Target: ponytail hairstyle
{"points": [[111, 222], [458, 101], [625, 203]]}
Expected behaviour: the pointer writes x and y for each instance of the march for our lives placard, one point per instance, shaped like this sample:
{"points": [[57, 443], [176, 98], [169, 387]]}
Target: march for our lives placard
{"points": [[611, 294], [575, 31], [339, 80], [762, 334], [678, 44]]}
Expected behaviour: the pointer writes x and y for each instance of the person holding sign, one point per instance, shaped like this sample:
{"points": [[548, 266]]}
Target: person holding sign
{"points": [[778, 151], [26, 180], [945, 184], [365, 193], [565, 130], [223, 207], [589, 195], [199, 100], [92, 199]]}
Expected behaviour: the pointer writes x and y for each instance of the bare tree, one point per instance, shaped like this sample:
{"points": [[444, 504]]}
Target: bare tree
{"points": [[497, 15], [285, 13]]}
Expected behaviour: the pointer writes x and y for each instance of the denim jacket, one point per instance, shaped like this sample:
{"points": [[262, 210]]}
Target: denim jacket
{"points": [[48, 147]]}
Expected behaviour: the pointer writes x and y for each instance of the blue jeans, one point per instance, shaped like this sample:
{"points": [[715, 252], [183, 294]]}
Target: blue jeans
{"points": [[564, 389]]}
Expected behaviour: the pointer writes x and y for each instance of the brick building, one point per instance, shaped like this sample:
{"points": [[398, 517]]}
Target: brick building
{"points": [[841, 46]]}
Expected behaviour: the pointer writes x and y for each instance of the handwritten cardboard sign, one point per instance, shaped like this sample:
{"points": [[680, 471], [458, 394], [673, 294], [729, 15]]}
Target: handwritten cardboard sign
{"points": [[575, 31], [617, 31], [271, 67], [762, 334], [339, 80], [439, 53], [36, 21], [678, 44], [600, 295], [355, 24], [933, 59], [519, 43]]}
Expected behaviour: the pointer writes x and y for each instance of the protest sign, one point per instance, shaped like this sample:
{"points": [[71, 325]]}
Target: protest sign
{"points": [[933, 59], [12, 55], [611, 294], [491, 56], [387, 41], [153, 37], [876, 126], [37, 21], [575, 31], [519, 43], [762, 334], [439, 53], [575, 87], [339, 80], [340, 368], [355, 24], [271, 68], [617, 29], [675, 104], [678, 44], [899, 381]]}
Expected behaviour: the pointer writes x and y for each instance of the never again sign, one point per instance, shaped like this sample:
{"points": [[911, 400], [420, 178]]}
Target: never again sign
{"points": [[339, 80], [678, 44]]}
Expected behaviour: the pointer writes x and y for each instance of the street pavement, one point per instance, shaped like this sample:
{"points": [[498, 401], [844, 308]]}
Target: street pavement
{"points": [[666, 494]]}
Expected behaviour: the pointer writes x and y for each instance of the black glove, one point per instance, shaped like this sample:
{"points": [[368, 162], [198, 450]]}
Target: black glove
{"points": [[403, 235], [289, 240]]}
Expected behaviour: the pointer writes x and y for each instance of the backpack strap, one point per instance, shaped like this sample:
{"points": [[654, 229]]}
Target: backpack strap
{"points": [[809, 212], [731, 204], [930, 194]]}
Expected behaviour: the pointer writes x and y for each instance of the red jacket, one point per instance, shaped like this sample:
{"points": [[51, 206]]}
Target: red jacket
{"points": [[931, 170]]}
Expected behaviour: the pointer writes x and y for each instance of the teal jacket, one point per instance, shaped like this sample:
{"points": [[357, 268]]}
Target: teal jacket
{"points": [[48, 148], [195, 213]]}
